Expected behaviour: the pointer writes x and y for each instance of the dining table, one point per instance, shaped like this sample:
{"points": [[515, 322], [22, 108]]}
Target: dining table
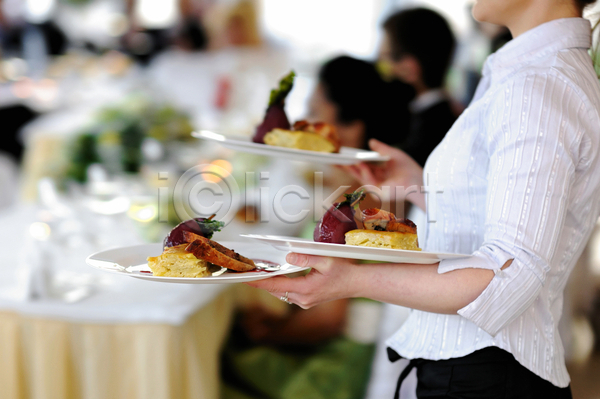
{"points": [[70, 331]]}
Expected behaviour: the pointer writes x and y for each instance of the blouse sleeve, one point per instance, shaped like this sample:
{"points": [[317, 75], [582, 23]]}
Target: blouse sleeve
{"points": [[533, 132]]}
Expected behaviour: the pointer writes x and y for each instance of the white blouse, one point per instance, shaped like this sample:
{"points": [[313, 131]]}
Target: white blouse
{"points": [[520, 175]]}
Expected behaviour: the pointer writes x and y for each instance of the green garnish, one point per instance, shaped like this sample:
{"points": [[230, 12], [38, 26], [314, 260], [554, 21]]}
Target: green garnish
{"points": [[208, 227], [353, 200], [285, 86]]}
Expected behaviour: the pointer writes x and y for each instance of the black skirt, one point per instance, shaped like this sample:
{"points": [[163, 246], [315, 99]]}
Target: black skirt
{"points": [[488, 373]]}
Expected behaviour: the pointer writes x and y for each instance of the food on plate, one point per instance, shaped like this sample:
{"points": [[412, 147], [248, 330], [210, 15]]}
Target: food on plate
{"points": [[382, 239], [275, 117], [189, 252], [177, 262], [338, 219], [383, 230], [319, 136], [217, 254], [376, 219], [205, 227], [402, 226], [275, 128]]}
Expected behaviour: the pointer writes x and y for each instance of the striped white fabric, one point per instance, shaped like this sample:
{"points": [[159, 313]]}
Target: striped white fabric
{"points": [[520, 173]]}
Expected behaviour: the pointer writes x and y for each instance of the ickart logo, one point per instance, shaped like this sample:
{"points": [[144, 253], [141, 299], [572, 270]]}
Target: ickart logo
{"points": [[209, 189]]}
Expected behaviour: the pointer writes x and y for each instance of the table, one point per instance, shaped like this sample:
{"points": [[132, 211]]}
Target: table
{"points": [[47, 358], [123, 337], [128, 339]]}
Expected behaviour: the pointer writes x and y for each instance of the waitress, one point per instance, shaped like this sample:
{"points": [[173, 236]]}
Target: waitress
{"points": [[520, 172]]}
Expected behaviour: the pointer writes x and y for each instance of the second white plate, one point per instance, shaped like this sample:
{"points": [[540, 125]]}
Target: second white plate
{"points": [[346, 156], [310, 247]]}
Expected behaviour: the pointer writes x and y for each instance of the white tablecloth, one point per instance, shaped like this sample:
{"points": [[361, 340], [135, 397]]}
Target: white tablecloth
{"points": [[112, 299]]}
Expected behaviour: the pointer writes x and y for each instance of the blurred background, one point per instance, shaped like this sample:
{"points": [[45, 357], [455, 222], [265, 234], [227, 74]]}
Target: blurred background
{"points": [[98, 99]]}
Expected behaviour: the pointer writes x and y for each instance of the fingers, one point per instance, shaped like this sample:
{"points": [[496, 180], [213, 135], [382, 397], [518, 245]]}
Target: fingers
{"points": [[362, 173], [367, 176], [314, 261], [352, 170], [380, 147], [279, 284], [385, 149], [326, 281]]}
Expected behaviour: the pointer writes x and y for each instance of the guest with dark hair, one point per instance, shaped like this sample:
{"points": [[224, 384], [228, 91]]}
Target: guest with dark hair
{"points": [[417, 49], [55, 39], [352, 96], [191, 35], [14, 117]]}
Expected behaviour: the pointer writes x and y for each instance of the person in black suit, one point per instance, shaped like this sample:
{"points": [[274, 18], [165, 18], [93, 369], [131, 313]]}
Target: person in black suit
{"points": [[417, 49]]}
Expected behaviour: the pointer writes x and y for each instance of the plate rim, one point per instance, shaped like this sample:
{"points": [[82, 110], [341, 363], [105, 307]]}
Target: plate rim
{"points": [[389, 251], [245, 142]]}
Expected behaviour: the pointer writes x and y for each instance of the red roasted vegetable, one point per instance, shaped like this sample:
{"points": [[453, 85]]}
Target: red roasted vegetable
{"points": [[338, 220], [201, 226], [275, 117]]}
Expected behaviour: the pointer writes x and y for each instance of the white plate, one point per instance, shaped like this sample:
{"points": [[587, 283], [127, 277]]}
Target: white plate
{"points": [[131, 261], [310, 247], [346, 156]]}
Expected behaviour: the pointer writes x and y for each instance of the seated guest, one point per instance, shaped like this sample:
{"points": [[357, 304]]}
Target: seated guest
{"points": [[417, 49], [190, 34]]}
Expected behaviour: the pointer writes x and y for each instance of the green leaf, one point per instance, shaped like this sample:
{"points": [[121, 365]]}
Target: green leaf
{"points": [[209, 226], [354, 199], [285, 86]]}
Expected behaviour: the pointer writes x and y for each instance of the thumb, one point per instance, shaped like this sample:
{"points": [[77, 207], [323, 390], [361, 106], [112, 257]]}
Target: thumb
{"points": [[312, 261], [381, 147], [392, 152]]}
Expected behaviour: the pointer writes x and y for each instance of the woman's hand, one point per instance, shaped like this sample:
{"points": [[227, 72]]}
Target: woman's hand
{"points": [[400, 171], [329, 279]]}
